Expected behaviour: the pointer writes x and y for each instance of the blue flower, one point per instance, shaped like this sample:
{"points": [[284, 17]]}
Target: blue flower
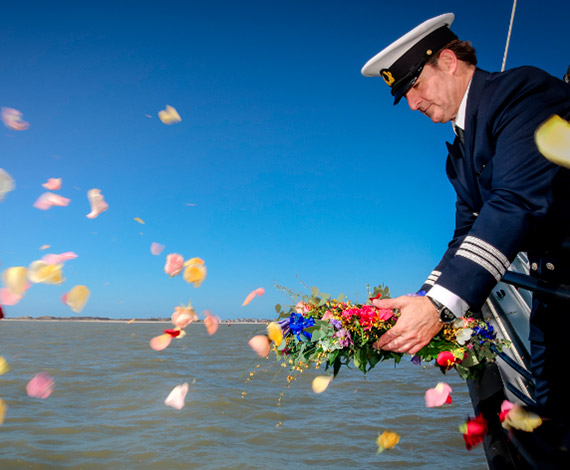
{"points": [[298, 323]]}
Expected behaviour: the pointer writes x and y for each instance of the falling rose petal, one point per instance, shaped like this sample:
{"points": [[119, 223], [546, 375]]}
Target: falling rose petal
{"points": [[1, 311], [275, 332], [41, 272], [12, 119], [77, 297], [158, 343], [15, 279], [41, 386], [173, 332], [97, 202], [4, 367], [174, 264], [176, 397], [516, 417], [474, 431], [211, 322], [260, 344], [48, 200], [6, 184], [169, 115], [52, 184], [321, 382], [387, 440], [8, 298], [59, 259], [183, 316], [195, 271], [139, 220], [2, 411], [553, 140], [156, 248], [45, 247], [259, 291], [438, 396], [132, 320]]}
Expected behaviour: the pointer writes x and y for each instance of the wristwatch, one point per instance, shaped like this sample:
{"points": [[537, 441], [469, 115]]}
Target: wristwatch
{"points": [[445, 315]]}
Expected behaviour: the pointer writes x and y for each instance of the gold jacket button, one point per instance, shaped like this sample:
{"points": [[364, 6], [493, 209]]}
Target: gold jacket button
{"points": [[550, 266]]}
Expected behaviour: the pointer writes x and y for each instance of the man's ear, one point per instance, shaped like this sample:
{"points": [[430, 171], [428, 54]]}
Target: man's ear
{"points": [[447, 61]]}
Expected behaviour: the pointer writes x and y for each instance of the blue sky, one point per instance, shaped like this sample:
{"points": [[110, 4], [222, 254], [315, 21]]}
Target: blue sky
{"points": [[299, 169]]}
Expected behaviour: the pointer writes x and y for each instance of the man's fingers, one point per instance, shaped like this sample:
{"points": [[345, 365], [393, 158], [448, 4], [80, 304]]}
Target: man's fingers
{"points": [[388, 303]]}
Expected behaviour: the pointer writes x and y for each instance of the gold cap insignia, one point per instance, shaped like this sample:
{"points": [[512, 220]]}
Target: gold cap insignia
{"points": [[388, 77]]}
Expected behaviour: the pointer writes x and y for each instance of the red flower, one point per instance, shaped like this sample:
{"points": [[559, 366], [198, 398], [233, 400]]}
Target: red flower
{"points": [[446, 359], [474, 430]]}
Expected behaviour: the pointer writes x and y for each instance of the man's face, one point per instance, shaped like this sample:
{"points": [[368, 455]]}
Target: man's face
{"points": [[435, 94]]}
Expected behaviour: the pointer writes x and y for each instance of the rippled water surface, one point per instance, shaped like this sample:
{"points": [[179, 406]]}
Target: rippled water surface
{"points": [[108, 411]]}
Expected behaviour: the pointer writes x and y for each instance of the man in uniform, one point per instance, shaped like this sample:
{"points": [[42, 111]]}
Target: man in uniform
{"points": [[509, 197]]}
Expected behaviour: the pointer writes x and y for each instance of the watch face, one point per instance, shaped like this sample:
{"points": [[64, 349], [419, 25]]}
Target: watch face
{"points": [[446, 316]]}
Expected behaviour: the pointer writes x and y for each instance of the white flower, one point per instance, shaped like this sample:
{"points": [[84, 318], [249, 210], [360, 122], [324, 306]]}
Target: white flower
{"points": [[463, 335]]}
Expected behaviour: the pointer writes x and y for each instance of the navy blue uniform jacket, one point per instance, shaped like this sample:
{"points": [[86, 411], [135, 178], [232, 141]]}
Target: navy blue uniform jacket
{"points": [[509, 197]]}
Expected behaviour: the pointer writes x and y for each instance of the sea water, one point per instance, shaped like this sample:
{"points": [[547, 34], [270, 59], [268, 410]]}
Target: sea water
{"points": [[107, 410]]}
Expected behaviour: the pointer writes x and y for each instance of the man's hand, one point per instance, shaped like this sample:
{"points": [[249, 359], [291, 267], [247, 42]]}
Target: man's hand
{"points": [[417, 325]]}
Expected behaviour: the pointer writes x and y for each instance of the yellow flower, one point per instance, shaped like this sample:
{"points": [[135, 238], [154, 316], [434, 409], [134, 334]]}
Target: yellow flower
{"points": [[275, 332], [195, 271], [387, 440], [553, 140], [40, 272]]}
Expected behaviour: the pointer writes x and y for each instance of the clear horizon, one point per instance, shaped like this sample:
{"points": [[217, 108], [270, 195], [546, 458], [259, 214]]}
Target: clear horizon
{"points": [[288, 166]]}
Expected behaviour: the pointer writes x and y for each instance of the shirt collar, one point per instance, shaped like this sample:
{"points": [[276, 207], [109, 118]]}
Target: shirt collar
{"points": [[460, 118]]}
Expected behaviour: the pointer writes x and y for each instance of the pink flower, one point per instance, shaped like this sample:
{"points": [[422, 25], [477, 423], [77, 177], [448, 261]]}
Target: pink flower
{"points": [[385, 314], [302, 307], [327, 316], [174, 264]]}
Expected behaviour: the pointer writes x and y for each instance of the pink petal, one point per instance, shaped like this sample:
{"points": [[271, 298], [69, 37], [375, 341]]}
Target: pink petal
{"points": [[259, 291], [156, 248], [47, 200], [176, 397], [97, 203], [9, 298], [158, 343], [58, 259], [211, 322], [12, 119], [437, 396], [40, 386], [53, 184], [260, 344]]}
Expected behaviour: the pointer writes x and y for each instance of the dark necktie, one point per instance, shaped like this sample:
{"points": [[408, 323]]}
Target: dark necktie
{"points": [[461, 134]]}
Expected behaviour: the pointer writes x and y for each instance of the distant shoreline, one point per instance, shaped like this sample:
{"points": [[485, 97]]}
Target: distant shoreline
{"points": [[112, 320]]}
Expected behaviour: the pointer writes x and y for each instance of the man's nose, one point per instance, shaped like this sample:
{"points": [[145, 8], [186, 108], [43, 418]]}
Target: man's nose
{"points": [[413, 99]]}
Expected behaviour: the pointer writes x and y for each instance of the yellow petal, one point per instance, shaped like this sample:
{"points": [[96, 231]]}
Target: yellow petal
{"points": [[4, 367], [139, 220], [553, 140], [387, 440], [275, 333], [522, 419], [169, 115], [321, 382], [15, 279], [41, 272], [193, 261], [2, 411], [77, 297]]}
